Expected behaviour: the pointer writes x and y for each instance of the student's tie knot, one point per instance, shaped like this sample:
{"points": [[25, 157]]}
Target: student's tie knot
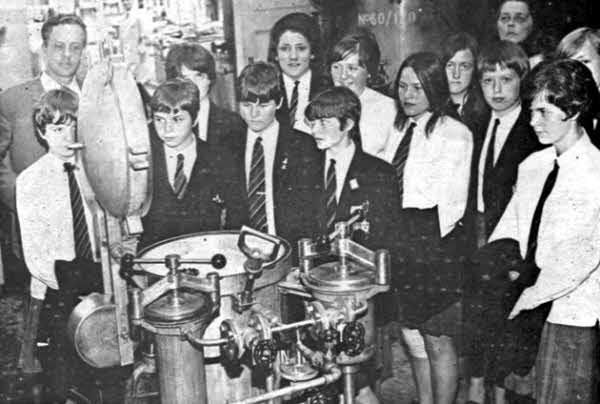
{"points": [[69, 167]]}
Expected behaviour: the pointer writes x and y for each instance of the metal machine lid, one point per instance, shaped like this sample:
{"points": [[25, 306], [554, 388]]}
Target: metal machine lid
{"points": [[178, 306], [330, 275]]}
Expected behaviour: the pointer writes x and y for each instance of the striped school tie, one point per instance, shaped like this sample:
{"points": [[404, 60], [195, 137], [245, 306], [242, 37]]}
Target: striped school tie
{"points": [[179, 180], [83, 246], [294, 103], [399, 161], [330, 192], [256, 188]]}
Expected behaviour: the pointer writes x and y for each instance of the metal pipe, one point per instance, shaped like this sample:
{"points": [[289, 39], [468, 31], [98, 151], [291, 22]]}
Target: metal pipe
{"points": [[333, 375], [349, 372], [298, 324], [205, 342]]}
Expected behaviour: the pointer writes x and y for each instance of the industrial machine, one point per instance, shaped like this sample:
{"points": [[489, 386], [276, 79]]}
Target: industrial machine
{"points": [[201, 313]]}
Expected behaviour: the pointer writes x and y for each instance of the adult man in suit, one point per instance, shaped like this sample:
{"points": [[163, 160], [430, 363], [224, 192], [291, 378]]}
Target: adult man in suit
{"points": [[216, 125], [64, 39], [352, 179], [280, 164], [196, 185]]}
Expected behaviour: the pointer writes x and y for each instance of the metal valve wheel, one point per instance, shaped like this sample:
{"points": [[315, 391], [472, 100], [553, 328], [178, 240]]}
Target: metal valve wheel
{"points": [[353, 338]]}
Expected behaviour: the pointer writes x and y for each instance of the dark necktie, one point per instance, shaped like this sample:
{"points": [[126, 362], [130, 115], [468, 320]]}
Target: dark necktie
{"points": [[330, 192], [256, 188], [537, 214], [179, 179], [294, 103], [83, 246], [489, 159], [399, 161]]}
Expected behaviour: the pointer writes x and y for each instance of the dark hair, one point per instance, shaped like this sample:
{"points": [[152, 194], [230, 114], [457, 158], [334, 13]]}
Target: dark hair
{"points": [[574, 41], [259, 82], [364, 44], [505, 54], [61, 19], [174, 95], [567, 84], [432, 76], [336, 102], [458, 42], [56, 107], [302, 24], [193, 56]]}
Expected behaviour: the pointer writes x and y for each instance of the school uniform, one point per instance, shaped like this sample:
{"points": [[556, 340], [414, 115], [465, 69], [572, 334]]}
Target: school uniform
{"points": [[309, 85], [292, 183], [213, 197], [564, 287], [377, 116], [60, 272], [434, 197]]}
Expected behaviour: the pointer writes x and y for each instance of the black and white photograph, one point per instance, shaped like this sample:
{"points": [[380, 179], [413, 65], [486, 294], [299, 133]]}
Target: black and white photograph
{"points": [[299, 201]]}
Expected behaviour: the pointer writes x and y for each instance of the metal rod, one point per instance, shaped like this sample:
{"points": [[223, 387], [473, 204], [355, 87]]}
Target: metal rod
{"points": [[298, 324], [348, 387], [206, 341], [332, 376], [181, 261]]}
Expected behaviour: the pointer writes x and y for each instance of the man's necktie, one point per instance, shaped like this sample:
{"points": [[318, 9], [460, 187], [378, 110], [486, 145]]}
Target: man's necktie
{"points": [[489, 160], [179, 179], [537, 214], [330, 192], [294, 103], [399, 161], [256, 188], [83, 246]]}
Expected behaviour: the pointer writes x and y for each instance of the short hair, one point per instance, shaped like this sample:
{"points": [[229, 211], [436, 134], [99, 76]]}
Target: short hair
{"points": [[56, 107], [176, 95], [505, 54], [432, 76], [302, 24], [574, 41], [193, 56], [61, 19], [567, 84], [363, 43], [259, 82], [336, 102]]}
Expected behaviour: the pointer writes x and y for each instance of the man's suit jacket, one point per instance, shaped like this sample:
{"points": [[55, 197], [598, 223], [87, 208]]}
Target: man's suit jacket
{"points": [[19, 145], [318, 83], [520, 143], [373, 181], [215, 183], [296, 182]]}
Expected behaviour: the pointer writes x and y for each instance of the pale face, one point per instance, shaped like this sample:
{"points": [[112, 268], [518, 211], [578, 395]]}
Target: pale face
{"points": [[514, 21], [201, 80], [258, 115], [59, 137], [412, 97], [501, 89], [63, 51], [550, 124], [328, 134], [588, 55], [459, 71], [174, 129], [293, 54], [349, 73]]}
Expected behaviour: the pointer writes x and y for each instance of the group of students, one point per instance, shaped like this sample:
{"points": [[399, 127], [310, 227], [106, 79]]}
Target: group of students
{"points": [[480, 179]]}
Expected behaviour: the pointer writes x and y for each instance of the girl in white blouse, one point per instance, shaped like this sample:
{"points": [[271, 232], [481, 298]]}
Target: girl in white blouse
{"points": [[432, 155], [353, 63]]}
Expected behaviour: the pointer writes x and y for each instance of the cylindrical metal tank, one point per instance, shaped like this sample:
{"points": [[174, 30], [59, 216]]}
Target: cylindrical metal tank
{"points": [[220, 386], [180, 366]]}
